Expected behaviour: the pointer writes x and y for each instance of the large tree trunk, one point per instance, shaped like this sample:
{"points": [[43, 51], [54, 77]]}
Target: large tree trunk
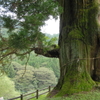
{"points": [[75, 42]]}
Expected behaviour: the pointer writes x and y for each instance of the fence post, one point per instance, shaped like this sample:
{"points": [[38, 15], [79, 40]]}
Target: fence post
{"points": [[21, 97], [49, 88], [37, 94]]}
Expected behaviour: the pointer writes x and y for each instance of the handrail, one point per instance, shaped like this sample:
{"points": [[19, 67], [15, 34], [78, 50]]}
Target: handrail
{"points": [[29, 93], [36, 96], [14, 98]]}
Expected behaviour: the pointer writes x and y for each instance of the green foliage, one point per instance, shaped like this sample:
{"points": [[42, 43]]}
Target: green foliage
{"points": [[29, 78], [48, 41], [24, 80], [4, 32], [45, 77], [41, 61], [9, 23], [28, 18], [7, 87]]}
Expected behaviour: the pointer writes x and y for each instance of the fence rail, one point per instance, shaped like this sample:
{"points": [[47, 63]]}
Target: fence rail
{"points": [[21, 97]]}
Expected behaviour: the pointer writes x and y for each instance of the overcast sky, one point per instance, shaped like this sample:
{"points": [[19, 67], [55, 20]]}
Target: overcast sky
{"points": [[51, 27]]}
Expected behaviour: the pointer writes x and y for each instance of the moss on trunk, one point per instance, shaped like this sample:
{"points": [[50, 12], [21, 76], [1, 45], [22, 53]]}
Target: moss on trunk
{"points": [[76, 82], [77, 32]]}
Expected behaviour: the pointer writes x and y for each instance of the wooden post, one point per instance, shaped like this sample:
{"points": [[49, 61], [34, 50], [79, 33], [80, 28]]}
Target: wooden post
{"points": [[49, 88], [21, 97], [37, 94]]}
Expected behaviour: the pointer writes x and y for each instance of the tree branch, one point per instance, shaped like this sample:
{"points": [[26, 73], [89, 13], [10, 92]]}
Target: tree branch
{"points": [[50, 53], [54, 53]]}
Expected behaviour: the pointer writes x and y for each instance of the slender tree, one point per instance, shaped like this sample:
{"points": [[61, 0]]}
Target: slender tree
{"points": [[78, 38]]}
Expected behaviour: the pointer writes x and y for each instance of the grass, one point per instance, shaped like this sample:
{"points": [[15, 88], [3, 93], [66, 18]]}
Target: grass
{"points": [[93, 95]]}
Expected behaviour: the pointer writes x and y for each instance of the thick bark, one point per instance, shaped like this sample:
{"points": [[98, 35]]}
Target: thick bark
{"points": [[96, 61], [75, 42], [95, 50]]}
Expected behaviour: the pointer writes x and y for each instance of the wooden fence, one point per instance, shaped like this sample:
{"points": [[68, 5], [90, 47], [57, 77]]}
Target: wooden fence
{"points": [[21, 97]]}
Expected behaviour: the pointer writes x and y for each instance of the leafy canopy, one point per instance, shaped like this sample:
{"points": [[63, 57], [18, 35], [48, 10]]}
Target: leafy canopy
{"points": [[24, 19]]}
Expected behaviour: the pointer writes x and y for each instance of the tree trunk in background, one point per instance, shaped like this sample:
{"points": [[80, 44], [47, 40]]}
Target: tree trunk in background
{"points": [[96, 61], [96, 52], [78, 29]]}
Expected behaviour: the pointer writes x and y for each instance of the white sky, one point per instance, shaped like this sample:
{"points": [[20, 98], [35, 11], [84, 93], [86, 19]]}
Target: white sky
{"points": [[51, 27]]}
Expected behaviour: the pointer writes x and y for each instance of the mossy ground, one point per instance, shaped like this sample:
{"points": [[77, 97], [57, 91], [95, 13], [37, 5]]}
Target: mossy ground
{"points": [[91, 95], [76, 83]]}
